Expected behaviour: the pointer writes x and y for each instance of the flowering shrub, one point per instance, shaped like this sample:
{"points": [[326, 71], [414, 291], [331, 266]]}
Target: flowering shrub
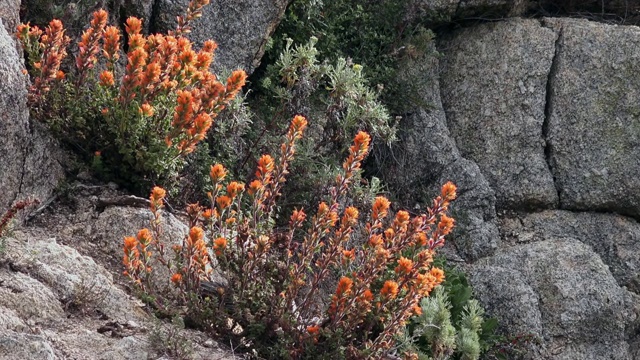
{"points": [[135, 122], [271, 290]]}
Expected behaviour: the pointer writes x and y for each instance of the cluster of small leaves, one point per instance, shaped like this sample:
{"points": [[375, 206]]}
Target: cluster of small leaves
{"points": [[265, 285], [377, 34], [435, 336], [137, 123]]}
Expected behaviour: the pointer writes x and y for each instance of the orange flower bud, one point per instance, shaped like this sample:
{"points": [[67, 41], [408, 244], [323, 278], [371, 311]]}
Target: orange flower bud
{"points": [[404, 266], [176, 278], [106, 78], [449, 191], [389, 289], [217, 173], [380, 208], [344, 286]]}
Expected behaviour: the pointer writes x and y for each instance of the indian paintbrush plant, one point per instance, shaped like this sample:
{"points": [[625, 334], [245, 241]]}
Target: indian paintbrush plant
{"points": [[268, 281], [135, 120]]}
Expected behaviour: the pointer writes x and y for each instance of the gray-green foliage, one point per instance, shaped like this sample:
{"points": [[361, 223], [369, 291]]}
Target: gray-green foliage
{"points": [[335, 91], [435, 336]]}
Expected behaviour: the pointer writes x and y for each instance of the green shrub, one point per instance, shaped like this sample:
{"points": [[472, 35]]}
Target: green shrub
{"points": [[134, 125]]}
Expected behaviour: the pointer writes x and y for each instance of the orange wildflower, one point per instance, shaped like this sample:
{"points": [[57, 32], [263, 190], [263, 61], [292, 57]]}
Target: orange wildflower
{"points": [[380, 208], [350, 217], [158, 193], [367, 295], [176, 278], [104, 111], [402, 218], [297, 126], [298, 216], [375, 240], [389, 289], [133, 25], [445, 225], [106, 78], [144, 237], [417, 310], [349, 255], [404, 265], [130, 243], [448, 191], [265, 166], [234, 188], [196, 234], [438, 274], [361, 141], [219, 245], [254, 187], [60, 75], [313, 330], [146, 110], [111, 43], [209, 46], [207, 214], [223, 202], [217, 173], [235, 82], [344, 286]]}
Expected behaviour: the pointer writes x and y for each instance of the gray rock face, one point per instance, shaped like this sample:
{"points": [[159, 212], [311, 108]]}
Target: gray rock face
{"points": [[240, 27], [594, 117], [615, 238], [9, 14], [426, 157], [583, 313], [29, 161], [493, 88]]}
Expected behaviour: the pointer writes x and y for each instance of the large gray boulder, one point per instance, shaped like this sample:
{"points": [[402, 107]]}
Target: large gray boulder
{"points": [[493, 87], [426, 157], [29, 158], [580, 310], [594, 117], [615, 238], [240, 27]]}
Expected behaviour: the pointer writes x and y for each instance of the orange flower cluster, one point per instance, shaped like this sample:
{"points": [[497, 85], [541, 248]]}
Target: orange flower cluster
{"points": [[137, 255], [52, 46], [381, 281], [89, 45], [157, 66]]}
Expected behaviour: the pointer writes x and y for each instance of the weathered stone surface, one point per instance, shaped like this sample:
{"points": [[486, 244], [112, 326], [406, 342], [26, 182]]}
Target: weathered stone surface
{"points": [[426, 157], [29, 162], [10, 14], [493, 91], [580, 303], [23, 346], [511, 299], [594, 117], [476, 234], [240, 27], [615, 238]]}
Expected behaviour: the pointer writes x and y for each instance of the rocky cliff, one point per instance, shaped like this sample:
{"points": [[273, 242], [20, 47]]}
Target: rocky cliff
{"points": [[535, 119]]}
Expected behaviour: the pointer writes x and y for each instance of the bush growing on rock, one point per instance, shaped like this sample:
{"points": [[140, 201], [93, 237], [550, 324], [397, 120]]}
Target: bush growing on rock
{"points": [[266, 286], [135, 124]]}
